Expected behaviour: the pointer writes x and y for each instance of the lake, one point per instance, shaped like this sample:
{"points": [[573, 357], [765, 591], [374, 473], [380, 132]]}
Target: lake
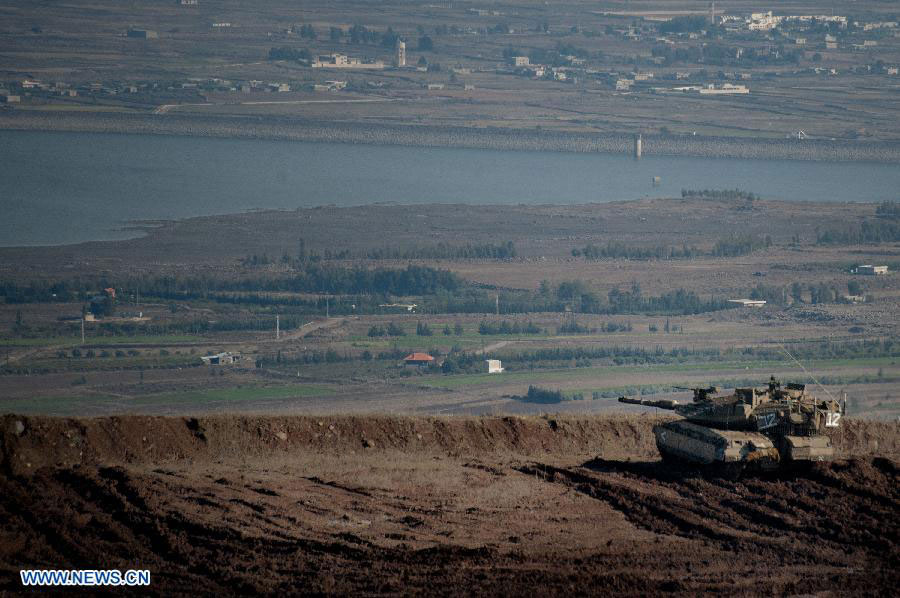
{"points": [[59, 188]]}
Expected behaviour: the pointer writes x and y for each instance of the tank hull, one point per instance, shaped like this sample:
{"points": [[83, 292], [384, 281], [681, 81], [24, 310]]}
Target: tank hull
{"points": [[692, 443]]}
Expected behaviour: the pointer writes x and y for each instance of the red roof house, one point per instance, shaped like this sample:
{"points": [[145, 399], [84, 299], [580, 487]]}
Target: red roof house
{"points": [[418, 359]]}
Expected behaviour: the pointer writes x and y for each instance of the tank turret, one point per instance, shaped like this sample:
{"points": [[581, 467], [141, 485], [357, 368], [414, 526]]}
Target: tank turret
{"points": [[752, 426]]}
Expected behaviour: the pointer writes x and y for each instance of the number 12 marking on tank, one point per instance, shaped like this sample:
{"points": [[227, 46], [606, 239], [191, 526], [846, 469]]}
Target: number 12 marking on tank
{"points": [[767, 420], [831, 419]]}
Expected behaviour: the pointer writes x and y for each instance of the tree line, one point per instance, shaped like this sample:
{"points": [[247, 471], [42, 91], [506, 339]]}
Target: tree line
{"points": [[867, 232]]}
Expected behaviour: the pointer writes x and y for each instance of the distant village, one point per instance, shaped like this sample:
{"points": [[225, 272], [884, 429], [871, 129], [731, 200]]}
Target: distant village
{"points": [[716, 54]]}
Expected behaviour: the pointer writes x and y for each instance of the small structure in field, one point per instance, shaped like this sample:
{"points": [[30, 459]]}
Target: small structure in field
{"points": [[224, 358], [493, 366], [748, 302], [418, 359], [870, 270], [142, 33]]}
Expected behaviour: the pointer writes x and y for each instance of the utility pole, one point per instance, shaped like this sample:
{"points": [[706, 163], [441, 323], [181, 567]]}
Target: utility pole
{"points": [[277, 327], [326, 308], [82, 329], [497, 303]]}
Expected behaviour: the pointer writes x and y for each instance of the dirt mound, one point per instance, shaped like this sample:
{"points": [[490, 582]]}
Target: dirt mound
{"points": [[29, 443], [375, 505]]}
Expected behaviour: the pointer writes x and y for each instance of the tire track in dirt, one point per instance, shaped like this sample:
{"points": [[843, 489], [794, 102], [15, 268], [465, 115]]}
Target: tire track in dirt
{"points": [[833, 516]]}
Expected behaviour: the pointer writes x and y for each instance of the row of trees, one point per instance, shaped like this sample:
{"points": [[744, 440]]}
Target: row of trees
{"points": [[508, 327], [867, 232], [445, 251], [743, 245], [719, 194], [617, 249]]}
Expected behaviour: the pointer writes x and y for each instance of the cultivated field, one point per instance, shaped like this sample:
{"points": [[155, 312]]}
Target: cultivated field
{"points": [[216, 284]]}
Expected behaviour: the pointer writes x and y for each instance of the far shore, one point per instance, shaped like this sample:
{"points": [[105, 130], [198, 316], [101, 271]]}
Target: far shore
{"points": [[292, 129]]}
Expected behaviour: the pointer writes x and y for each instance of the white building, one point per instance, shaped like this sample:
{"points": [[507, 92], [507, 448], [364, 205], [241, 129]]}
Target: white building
{"points": [[763, 21], [748, 302], [340, 61], [520, 61], [221, 358], [493, 366], [727, 88], [870, 270]]}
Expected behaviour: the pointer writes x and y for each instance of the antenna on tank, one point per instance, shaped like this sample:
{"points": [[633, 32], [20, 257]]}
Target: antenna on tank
{"points": [[808, 373]]}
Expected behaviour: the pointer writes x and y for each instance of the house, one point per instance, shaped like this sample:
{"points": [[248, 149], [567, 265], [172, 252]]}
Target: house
{"points": [[870, 270], [224, 358], [520, 60], [342, 61], [418, 359], [493, 366]]}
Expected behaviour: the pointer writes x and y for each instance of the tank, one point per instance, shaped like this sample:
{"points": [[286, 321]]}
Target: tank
{"points": [[755, 428]]}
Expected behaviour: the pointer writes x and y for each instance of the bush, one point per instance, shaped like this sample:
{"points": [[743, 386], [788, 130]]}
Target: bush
{"points": [[394, 330]]}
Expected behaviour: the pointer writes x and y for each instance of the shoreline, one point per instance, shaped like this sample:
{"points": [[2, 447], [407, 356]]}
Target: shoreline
{"points": [[291, 129]]}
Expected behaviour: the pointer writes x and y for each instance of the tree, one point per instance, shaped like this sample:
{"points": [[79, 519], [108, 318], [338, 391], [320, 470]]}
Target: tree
{"points": [[394, 330], [450, 366], [301, 250], [307, 31], [422, 61], [335, 34], [422, 329], [426, 44], [447, 330], [389, 39], [854, 288], [458, 329]]}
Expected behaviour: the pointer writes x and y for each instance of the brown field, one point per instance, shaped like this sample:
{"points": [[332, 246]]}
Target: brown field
{"points": [[450, 506]]}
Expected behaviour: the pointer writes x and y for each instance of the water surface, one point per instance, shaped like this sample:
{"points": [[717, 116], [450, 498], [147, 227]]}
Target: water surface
{"points": [[58, 188]]}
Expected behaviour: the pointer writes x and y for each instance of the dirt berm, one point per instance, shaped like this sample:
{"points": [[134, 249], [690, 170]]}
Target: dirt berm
{"points": [[29, 443], [378, 505]]}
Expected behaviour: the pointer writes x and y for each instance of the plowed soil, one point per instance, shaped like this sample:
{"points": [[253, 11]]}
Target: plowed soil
{"points": [[383, 505]]}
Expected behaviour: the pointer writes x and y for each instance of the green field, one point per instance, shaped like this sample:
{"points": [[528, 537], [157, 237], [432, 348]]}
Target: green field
{"points": [[94, 341], [77, 405], [568, 375]]}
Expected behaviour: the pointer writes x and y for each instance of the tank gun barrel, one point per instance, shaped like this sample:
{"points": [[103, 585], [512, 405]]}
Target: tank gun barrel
{"points": [[661, 403]]}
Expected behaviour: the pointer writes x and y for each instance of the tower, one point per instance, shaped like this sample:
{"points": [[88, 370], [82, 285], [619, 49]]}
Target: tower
{"points": [[400, 58], [638, 143]]}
